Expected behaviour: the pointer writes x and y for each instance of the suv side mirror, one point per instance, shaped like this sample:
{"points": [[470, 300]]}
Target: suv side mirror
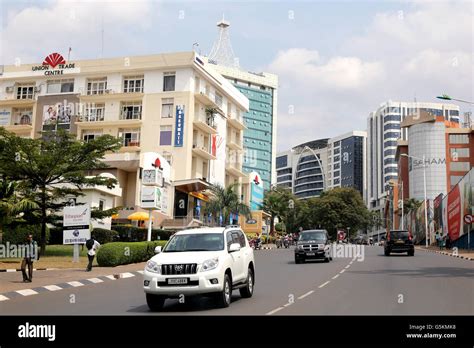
{"points": [[234, 247], [158, 249]]}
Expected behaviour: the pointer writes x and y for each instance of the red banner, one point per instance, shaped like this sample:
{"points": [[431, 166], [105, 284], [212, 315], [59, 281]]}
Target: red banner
{"points": [[454, 213]]}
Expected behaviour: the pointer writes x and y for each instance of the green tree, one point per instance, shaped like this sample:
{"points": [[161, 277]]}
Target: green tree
{"points": [[223, 202], [53, 167], [277, 202], [411, 205]]}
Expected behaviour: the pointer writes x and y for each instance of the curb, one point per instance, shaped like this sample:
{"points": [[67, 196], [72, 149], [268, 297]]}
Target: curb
{"points": [[448, 254], [67, 285], [34, 269]]}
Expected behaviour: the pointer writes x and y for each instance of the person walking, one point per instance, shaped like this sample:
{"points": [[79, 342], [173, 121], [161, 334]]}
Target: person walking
{"points": [[92, 246], [31, 254]]}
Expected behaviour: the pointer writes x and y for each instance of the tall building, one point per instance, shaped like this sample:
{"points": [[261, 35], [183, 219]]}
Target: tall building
{"points": [[171, 107], [261, 89], [383, 132], [322, 164]]}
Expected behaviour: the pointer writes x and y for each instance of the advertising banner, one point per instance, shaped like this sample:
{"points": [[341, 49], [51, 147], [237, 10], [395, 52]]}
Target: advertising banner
{"points": [[454, 213], [256, 191], [218, 146], [5, 116], [76, 222], [179, 126]]}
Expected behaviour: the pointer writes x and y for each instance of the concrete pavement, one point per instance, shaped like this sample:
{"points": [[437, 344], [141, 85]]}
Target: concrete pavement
{"points": [[427, 283]]}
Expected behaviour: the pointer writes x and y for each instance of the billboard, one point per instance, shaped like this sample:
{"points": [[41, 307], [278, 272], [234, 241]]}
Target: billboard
{"points": [[218, 149], [76, 220], [256, 191]]}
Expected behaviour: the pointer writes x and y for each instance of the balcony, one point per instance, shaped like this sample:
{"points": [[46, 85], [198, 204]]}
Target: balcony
{"points": [[109, 93], [208, 100], [234, 143], [235, 169], [203, 151], [205, 123], [17, 102], [236, 120]]}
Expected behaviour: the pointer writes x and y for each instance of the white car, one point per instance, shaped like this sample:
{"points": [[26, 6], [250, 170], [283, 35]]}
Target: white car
{"points": [[204, 261]]}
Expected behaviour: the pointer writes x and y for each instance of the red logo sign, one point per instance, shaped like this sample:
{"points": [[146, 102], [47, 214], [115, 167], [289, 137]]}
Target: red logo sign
{"points": [[157, 163], [454, 213], [256, 180], [53, 60]]}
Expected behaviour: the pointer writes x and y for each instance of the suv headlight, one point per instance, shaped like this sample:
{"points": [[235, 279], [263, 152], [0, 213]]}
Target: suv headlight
{"points": [[210, 264], [152, 266], [300, 246]]}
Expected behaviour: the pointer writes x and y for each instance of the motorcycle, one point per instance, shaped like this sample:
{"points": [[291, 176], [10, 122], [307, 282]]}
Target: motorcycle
{"points": [[258, 244], [286, 243], [279, 243]]}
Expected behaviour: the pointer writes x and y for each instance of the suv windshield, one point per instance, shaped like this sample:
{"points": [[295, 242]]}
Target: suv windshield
{"points": [[399, 235], [317, 236], [195, 242]]}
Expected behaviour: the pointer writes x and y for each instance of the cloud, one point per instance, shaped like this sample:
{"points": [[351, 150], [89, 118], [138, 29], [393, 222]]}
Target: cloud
{"points": [[30, 33], [417, 53]]}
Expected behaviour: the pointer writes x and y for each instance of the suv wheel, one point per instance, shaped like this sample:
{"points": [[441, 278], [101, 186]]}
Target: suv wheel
{"points": [[327, 259], [247, 291], [411, 253], [224, 297], [155, 302], [386, 252]]}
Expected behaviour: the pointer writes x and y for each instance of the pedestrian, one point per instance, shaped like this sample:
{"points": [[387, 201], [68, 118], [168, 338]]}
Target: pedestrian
{"points": [[92, 245], [31, 254]]}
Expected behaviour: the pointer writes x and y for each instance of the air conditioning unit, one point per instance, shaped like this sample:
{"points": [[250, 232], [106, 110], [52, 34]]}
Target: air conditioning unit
{"points": [[37, 89], [9, 89], [109, 91]]}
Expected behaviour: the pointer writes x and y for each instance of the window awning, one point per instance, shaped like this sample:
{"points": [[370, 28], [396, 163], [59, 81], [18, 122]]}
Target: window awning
{"points": [[191, 185]]}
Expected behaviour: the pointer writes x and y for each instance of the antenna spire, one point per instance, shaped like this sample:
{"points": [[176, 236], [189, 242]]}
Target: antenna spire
{"points": [[222, 52]]}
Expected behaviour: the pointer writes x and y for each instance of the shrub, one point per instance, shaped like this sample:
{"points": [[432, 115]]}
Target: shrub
{"points": [[129, 233], [103, 235], [123, 253], [18, 234]]}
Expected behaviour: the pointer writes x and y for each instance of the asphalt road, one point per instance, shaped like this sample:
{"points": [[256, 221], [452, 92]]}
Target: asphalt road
{"points": [[427, 283]]}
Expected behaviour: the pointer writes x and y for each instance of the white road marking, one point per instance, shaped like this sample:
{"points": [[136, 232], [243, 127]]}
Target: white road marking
{"points": [[347, 266], [95, 280], [287, 304], [274, 311], [337, 275], [52, 287], [3, 298], [342, 271], [141, 272], [75, 284], [26, 292], [11, 270], [126, 275], [110, 276], [324, 284], [307, 294]]}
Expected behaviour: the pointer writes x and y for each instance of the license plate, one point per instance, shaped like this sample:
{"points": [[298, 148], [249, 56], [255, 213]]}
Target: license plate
{"points": [[177, 281], [400, 242], [310, 254]]}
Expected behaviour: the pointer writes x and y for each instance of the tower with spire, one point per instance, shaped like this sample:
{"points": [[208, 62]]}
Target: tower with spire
{"points": [[222, 52]]}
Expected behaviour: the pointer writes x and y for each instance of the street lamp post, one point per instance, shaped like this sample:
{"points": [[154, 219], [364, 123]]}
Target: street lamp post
{"points": [[424, 188], [447, 97]]}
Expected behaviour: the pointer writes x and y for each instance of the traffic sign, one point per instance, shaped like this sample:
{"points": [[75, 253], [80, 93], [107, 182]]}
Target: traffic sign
{"points": [[468, 219]]}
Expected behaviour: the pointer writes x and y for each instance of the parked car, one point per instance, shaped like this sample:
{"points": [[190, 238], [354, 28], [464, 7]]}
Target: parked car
{"points": [[313, 244], [205, 261], [399, 241]]}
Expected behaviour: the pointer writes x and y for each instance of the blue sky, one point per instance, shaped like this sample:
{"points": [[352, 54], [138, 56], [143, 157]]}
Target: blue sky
{"points": [[336, 60]]}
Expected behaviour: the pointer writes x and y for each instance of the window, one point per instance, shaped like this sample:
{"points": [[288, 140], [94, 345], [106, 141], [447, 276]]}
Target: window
{"points": [[167, 107], [130, 137], [169, 81], [454, 179], [60, 86], [460, 152], [218, 99], [91, 134], [337, 173], [101, 204], [460, 166], [94, 113], [96, 86], [165, 135], [229, 239], [133, 84], [131, 111], [25, 92], [168, 157], [458, 139], [281, 161], [238, 237], [454, 112], [22, 116]]}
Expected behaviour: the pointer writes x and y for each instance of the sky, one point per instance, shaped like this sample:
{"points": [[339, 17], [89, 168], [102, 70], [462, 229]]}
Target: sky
{"points": [[336, 60]]}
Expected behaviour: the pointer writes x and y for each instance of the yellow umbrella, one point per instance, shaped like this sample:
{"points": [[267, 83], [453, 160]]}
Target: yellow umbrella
{"points": [[139, 216], [115, 216]]}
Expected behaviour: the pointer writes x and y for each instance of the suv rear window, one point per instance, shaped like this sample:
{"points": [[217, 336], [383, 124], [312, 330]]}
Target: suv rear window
{"points": [[399, 235]]}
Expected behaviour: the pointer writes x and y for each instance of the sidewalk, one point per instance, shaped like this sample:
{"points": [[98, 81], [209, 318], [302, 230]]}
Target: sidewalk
{"points": [[13, 281], [462, 253]]}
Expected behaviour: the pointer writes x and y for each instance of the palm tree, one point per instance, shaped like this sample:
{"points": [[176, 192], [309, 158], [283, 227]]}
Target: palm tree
{"points": [[225, 201], [12, 205], [411, 205], [275, 203]]}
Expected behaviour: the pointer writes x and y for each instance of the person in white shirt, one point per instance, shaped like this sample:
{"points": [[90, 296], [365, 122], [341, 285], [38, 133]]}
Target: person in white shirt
{"points": [[92, 246]]}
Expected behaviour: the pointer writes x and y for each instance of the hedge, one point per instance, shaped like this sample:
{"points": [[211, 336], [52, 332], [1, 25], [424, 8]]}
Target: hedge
{"points": [[123, 253], [103, 235], [129, 233], [18, 234]]}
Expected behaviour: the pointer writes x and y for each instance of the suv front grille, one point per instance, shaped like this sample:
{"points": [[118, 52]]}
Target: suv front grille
{"points": [[310, 247], [181, 268]]}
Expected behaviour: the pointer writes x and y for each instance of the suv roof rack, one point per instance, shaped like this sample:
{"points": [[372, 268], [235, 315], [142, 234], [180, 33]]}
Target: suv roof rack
{"points": [[232, 226]]}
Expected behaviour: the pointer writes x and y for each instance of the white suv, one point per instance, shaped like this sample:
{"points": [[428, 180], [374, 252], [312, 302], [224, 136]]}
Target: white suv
{"points": [[204, 261]]}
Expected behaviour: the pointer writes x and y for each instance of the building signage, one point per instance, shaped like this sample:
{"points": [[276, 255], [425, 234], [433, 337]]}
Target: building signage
{"points": [[151, 197], [54, 64], [256, 192], [5, 117], [454, 213], [76, 220], [179, 129]]}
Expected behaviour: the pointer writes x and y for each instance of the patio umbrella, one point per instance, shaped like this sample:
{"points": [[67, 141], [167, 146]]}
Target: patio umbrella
{"points": [[139, 216]]}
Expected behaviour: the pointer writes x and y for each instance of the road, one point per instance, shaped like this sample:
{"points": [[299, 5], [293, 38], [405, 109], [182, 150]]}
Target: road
{"points": [[426, 284]]}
